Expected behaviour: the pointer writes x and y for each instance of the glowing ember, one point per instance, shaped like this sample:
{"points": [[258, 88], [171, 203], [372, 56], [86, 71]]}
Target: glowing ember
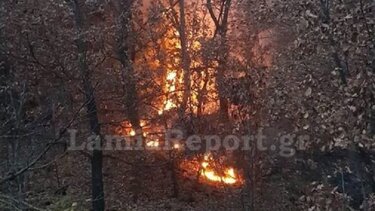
{"points": [[143, 123], [132, 132], [228, 177], [126, 128], [171, 87], [154, 143], [176, 146]]}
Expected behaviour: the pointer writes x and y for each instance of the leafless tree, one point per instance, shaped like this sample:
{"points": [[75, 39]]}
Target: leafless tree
{"points": [[221, 29], [98, 203]]}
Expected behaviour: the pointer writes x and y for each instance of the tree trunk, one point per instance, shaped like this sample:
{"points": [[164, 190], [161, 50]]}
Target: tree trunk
{"points": [[221, 28], [97, 155], [126, 54], [185, 60]]}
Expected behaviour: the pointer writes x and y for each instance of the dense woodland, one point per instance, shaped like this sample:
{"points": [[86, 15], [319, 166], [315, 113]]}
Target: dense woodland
{"points": [[136, 69]]}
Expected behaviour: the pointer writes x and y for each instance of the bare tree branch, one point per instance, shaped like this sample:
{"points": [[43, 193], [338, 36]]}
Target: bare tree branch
{"points": [[12, 176]]}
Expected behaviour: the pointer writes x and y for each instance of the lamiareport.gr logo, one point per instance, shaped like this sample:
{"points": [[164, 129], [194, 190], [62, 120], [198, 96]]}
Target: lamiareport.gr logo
{"points": [[285, 145]]}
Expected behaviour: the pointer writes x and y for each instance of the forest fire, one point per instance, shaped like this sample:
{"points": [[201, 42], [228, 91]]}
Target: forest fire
{"points": [[201, 98], [228, 176], [208, 168], [170, 87], [126, 128], [165, 105]]}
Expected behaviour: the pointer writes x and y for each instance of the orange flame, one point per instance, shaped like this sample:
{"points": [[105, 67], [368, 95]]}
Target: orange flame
{"points": [[171, 87], [229, 176], [132, 132], [153, 143]]}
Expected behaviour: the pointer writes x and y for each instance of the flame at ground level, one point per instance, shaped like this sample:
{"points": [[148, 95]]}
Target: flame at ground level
{"points": [[207, 169], [229, 176]]}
